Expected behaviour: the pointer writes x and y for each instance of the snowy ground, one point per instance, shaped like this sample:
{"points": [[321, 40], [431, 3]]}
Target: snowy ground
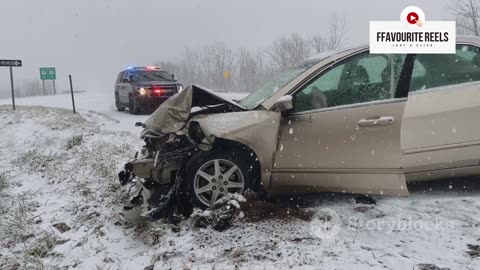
{"points": [[60, 201]]}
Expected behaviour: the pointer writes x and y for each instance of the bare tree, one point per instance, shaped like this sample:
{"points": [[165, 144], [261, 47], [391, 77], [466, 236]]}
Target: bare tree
{"points": [[335, 35], [215, 60], [336, 31], [318, 43], [288, 51], [189, 67], [467, 14], [250, 68]]}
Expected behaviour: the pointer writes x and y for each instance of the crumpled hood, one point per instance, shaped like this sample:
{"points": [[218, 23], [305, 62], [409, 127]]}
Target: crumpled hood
{"points": [[174, 113]]}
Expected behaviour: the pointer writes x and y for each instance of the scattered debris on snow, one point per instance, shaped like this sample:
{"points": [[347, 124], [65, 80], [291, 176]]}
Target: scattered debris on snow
{"points": [[473, 251], [61, 227], [424, 266], [221, 215]]}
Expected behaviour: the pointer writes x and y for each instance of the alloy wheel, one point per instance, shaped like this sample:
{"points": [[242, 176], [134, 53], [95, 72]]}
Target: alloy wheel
{"points": [[216, 178]]}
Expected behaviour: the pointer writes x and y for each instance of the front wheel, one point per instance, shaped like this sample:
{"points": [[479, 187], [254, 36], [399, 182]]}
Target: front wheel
{"points": [[213, 175]]}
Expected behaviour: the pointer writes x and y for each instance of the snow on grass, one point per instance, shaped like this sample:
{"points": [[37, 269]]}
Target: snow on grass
{"points": [[60, 202], [70, 180]]}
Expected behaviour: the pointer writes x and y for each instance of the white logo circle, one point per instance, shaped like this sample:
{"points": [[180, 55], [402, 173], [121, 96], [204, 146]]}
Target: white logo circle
{"points": [[325, 224], [413, 14]]}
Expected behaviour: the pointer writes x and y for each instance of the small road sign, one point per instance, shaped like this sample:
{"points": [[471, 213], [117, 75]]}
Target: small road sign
{"points": [[226, 74], [48, 73], [10, 63]]}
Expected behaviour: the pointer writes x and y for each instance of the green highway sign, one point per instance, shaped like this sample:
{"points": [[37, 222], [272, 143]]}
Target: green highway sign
{"points": [[48, 73]]}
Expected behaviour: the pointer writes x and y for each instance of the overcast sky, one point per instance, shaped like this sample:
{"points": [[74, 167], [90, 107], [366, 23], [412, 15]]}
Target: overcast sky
{"points": [[94, 39]]}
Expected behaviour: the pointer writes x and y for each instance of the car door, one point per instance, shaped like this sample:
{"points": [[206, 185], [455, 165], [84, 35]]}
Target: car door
{"points": [[124, 88], [344, 133], [441, 131], [117, 86]]}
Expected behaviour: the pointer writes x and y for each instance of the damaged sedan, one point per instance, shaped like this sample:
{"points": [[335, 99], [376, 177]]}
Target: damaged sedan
{"points": [[345, 121]]}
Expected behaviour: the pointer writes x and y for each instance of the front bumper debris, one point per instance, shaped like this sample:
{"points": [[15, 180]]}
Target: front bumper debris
{"points": [[127, 175]]}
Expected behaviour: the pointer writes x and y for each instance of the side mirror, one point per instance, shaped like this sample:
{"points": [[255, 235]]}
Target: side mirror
{"points": [[284, 103], [173, 77]]}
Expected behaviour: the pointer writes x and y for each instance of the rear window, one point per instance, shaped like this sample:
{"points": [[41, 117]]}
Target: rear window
{"points": [[436, 70]]}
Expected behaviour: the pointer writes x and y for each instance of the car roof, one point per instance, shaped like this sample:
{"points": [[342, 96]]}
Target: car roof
{"points": [[324, 55], [330, 53], [468, 39]]}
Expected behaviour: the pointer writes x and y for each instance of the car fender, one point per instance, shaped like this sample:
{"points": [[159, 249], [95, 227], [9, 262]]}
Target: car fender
{"points": [[258, 130]]}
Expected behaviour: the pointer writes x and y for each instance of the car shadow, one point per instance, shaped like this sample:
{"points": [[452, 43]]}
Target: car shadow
{"points": [[463, 185], [445, 187]]}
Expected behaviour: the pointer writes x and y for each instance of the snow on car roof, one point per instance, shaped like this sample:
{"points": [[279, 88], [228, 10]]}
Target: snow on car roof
{"points": [[327, 54]]}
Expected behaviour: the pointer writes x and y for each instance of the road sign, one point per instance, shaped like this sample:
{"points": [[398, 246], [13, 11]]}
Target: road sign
{"points": [[10, 63], [48, 73], [226, 74]]}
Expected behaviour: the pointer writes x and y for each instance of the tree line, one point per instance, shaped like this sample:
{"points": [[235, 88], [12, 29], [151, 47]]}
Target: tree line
{"points": [[247, 69]]}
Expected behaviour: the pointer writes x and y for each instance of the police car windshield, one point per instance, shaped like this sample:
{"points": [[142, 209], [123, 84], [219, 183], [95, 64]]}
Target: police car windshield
{"points": [[150, 75]]}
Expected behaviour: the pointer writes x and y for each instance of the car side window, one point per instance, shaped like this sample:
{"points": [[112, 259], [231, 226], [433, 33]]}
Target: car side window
{"points": [[125, 75], [119, 77], [435, 70], [362, 78]]}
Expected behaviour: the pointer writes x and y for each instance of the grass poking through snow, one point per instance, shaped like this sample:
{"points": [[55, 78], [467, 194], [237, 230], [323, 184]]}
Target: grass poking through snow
{"points": [[73, 141]]}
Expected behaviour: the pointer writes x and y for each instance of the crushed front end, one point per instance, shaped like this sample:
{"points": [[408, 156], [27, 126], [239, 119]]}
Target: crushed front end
{"points": [[154, 175], [154, 172]]}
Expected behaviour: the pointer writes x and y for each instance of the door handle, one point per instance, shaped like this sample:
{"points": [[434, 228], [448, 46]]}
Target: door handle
{"points": [[378, 121]]}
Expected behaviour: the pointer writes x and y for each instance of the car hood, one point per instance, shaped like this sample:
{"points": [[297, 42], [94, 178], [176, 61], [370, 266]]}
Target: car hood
{"points": [[174, 113]]}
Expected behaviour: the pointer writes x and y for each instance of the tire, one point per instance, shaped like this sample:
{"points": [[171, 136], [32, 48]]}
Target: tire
{"points": [[120, 108], [199, 192], [133, 105]]}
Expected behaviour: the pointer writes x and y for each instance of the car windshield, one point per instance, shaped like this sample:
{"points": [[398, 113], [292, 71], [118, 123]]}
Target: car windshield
{"points": [[149, 75], [266, 91]]}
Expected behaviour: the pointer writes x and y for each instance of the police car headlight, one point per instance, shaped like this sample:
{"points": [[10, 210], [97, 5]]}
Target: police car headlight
{"points": [[142, 91]]}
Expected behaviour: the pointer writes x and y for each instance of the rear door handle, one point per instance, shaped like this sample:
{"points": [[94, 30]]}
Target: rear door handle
{"points": [[379, 121]]}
